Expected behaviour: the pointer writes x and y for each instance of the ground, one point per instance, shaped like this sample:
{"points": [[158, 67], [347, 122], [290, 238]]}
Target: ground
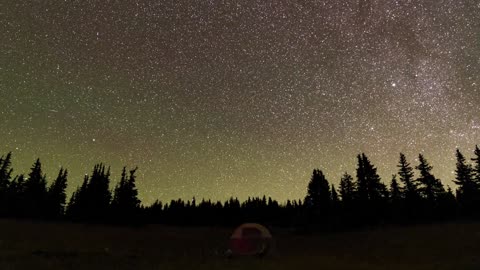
{"points": [[37, 245]]}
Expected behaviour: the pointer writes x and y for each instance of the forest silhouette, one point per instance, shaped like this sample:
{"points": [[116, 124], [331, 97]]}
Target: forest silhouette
{"points": [[361, 201]]}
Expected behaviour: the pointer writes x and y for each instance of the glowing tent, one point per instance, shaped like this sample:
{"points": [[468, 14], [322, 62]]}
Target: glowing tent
{"points": [[250, 239]]}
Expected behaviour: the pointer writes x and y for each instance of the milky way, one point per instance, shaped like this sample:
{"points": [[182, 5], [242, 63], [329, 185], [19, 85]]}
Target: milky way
{"points": [[237, 98]]}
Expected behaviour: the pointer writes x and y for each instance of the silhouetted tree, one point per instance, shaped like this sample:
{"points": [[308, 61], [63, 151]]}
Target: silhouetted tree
{"points": [[5, 178], [370, 187], [347, 189], [396, 200], [5, 172], [467, 192], [430, 187], [372, 193], [56, 195], [396, 194], [35, 192], [318, 199], [410, 190], [476, 168], [125, 203]]}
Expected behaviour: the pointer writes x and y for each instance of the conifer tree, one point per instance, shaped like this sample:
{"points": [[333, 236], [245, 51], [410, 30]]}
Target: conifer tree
{"points": [[347, 189], [5, 172], [476, 168], [57, 196], [318, 197], [410, 190], [396, 194], [430, 187], [5, 178], [125, 200], [98, 196], [370, 187], [35, 192], [467, 192]]}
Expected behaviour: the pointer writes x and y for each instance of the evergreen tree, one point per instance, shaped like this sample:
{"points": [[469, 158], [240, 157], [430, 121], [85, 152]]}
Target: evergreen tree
{"points": [[318, 198], [5, 178], [372, 193], [125, 199], [476, 168], [77, 206], [430, 187], [98, 195], [468, 190], [370, 187], [35, 192], [396, 194], [347, 188], [57, 196], [405, 172], [5, 172], [396, 200], [362, 185]]}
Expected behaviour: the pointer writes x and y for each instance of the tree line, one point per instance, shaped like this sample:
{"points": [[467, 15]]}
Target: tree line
{"points": [[357, 201]]}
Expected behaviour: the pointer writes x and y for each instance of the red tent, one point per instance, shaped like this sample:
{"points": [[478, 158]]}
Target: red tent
{"points": [[250, 239]]}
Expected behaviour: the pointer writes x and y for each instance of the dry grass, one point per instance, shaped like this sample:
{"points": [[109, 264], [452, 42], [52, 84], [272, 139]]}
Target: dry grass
{"points": [[27, 245]]}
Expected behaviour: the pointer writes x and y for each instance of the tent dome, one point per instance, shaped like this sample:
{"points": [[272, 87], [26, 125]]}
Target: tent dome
{"points": [[250, 239]]}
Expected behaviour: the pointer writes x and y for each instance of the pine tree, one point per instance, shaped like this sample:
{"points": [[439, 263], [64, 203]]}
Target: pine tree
{"points": [[406, 178], [5, 172], [98, 195], [77, 206], [35, 191], [125, 200], [372, 187], [430, 187], [362, 185], [396, 193], [57, 196], [5, 178], [468, 190], [318, 198], [347, 189], [476, 168]]}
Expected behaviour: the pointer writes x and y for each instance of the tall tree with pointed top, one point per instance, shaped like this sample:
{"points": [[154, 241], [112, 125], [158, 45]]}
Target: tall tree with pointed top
{"points": [[370, 187], [430, 187], [318, 199], [125, 199], [347, 189], [35, 190], [5, 171], [5, 178], [98, 195], [396, 193], [405, 171], [468, 190], [57, 196], [476, 167]]}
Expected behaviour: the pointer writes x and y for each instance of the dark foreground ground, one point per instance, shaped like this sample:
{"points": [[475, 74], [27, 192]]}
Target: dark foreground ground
{"points": [[27, 245]]}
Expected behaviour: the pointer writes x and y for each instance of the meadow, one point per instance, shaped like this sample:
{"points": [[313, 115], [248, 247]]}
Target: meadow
{"points": [[39, 245]]}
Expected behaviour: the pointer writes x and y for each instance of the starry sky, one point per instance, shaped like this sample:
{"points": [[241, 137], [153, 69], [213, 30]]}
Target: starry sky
{"points": [[237, 98]]}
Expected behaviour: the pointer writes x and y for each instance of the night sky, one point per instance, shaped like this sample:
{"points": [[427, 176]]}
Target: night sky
{"points": [[237, 98]]}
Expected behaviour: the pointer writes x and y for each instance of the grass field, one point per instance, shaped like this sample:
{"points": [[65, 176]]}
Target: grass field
{"points": [[27, 245]]}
